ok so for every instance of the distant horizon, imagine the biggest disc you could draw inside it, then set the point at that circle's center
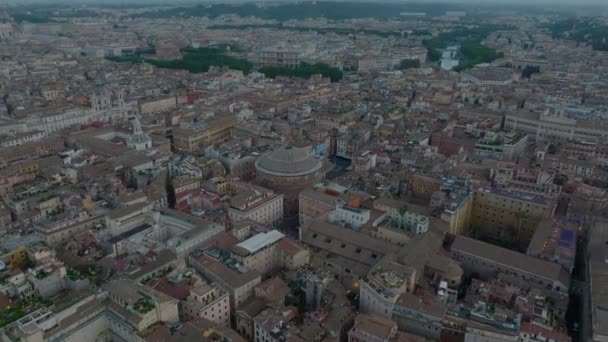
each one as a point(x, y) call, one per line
point(567, 3)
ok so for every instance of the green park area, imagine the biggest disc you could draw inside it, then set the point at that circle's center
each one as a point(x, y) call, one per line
point(194, 60)
point(304, 70)
point(471, 50)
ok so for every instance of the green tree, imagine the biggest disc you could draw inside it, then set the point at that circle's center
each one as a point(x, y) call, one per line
point(409, 64)
point(304, 70)
point(529, 71)
point(434, 55)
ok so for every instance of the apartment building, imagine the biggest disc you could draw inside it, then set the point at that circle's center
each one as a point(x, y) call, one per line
point(370, 328)
point(457, 203)
point(207, 301)
point(257, 204)
point(42, 147)
point(403, 216)
point(501, 145)
point(133, 308)
point(319, 200)
point(235, 279)
point(157, 105)
point(505, 215)
point(488, 260)
point(383, 286)
point(191, 137)
point(572, 166)
point(272, 325)
point(260, 252)
point(545, 126)
point(17, 139)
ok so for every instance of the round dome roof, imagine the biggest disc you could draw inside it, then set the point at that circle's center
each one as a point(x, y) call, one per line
point(288, 161)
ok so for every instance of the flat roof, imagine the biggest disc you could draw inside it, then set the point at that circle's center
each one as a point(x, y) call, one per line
point(261, 240)
point(515, 260)
point(539, 200)
point(129, 233)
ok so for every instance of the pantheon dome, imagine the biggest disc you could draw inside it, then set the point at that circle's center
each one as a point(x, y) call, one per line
point(289, 170)
point(288, 161)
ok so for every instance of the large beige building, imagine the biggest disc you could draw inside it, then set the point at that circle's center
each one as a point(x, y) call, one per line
point(488, 260)
point(158, 105)
point(505, 215)
point(547, 127)
point(239, 282)
point(192, 137)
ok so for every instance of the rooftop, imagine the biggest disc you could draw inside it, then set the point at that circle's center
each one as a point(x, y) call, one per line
point(288, 161)
point(261, 240)
point(519, 261)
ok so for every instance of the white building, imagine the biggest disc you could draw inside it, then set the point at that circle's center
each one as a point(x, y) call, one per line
point(546, 126)
point(403, 216)
point(260, 252)
point(16, 139)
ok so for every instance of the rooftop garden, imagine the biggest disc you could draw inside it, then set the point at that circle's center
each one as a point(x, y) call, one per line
point(19, 309)
point(143, 306)
point(41, 274)
point(91, 272)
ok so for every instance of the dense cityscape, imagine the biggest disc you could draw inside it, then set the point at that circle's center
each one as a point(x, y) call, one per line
point(303, 171)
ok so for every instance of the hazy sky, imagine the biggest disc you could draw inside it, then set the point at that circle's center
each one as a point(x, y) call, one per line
point(574, 3)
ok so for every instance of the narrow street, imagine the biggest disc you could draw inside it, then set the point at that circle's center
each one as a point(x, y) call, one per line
point(579, 315)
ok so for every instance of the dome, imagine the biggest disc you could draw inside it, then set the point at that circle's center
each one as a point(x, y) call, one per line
point(288, 161)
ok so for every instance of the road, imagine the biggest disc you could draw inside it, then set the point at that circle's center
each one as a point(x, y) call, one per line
point(579, 310)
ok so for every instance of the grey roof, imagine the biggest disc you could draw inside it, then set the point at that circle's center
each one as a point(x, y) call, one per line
point(288, 161)
point(515, 260)
point(346, 243)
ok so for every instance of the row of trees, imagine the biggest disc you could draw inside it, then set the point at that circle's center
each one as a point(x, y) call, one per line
point(442, 40)
point(339, 31)
point(201, 59)
point(582, 31)
point(302, 10)
point(409, 64)
point(304, 70)
point(194, 60)
point(474, 53)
